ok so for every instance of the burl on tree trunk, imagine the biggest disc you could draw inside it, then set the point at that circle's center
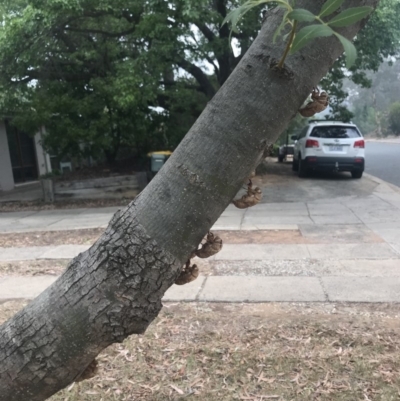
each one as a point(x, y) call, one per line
point(115, 288)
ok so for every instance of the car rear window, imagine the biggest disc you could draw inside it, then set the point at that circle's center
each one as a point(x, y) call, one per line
point(334, 132)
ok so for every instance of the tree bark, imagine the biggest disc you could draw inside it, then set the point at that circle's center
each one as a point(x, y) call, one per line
point(115, 288)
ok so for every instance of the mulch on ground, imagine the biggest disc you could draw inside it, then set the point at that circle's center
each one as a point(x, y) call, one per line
point(44, 238)
point(252, 352)
point(33, 267)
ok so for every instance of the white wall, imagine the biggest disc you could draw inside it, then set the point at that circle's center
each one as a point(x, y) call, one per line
point(43, 159)
point(6, 175)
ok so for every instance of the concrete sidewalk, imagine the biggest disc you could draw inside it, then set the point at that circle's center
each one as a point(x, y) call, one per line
point(246, 289)
point(342, 245)
point(55, 220)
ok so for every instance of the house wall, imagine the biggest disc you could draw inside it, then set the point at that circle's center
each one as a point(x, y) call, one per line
point(43, 158)
point(6, 174)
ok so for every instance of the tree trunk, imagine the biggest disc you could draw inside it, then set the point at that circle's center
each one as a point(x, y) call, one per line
point(115, 288)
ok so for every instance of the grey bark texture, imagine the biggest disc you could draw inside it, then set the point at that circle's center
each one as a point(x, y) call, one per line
point(115, 288)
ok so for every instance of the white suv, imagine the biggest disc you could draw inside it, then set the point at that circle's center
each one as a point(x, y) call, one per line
point(331, 146)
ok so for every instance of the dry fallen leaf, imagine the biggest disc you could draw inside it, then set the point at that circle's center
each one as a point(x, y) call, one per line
point(178, 390)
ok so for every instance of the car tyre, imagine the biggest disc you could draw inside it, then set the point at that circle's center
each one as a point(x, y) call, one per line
point(302, 170)
point(357, 173)
point(295, 164)
point(280, 158)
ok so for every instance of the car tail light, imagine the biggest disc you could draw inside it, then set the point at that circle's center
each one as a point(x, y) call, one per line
point(312, 143)
point(359, 144)
point(312, 159)
point(359, 160)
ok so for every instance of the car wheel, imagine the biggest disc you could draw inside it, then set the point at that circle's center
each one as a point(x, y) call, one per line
point(357, 173)
point(302, 170)
point(295, 164)
point(280, 158)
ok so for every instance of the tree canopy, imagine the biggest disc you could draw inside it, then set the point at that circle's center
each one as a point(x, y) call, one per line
point(109, 75)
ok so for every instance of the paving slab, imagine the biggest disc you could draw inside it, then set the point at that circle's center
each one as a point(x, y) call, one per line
point(260, 219)
point(187, 292)
point(27, 253)
point(262, 289)
point(272, 227)
point(300, 206)
point(41, 252)
point(362, 289)
point(64, 251)
point(339, 234)
point(323, 209)
point(390, 232)
point(16, 215)
point(395, 247)
point(365, 268)
point(261, 251)
point(351, 251)
point(379, 216)
point(81, 223)
point(56, 220)
point(323, 220)
point(284, 213)
point(101, 211)
point(62, 213)
point(24, 287)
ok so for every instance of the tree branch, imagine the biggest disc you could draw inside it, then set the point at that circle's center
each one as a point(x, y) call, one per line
point(206, 31)
point(205, 84)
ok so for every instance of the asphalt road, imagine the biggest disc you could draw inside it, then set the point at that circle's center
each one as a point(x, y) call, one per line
point(383, 161)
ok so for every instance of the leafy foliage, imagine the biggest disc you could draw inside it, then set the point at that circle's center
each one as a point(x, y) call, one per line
point(301, 38)
point(113, 75)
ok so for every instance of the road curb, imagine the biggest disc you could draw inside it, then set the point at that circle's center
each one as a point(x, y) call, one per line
point(382, 182)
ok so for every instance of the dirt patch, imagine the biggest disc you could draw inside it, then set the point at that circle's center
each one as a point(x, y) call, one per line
point(251, 352)
point(19, 206)
point(33, 267)
point(89, 236)
point(43, 238)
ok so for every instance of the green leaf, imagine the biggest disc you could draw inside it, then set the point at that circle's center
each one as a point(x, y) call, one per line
point(302, 15)
point(308, 33)
point(350, 16)
point(329, 7)
point(235, 15)
point(349, 49)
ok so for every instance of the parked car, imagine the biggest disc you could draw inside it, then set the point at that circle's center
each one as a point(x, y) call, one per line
point(330, 146)
point(284, 151)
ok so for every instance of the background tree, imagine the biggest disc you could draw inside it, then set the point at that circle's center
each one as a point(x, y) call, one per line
point(370, 106)
point(378, 41)
point(394, 118)
point(107, 75)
